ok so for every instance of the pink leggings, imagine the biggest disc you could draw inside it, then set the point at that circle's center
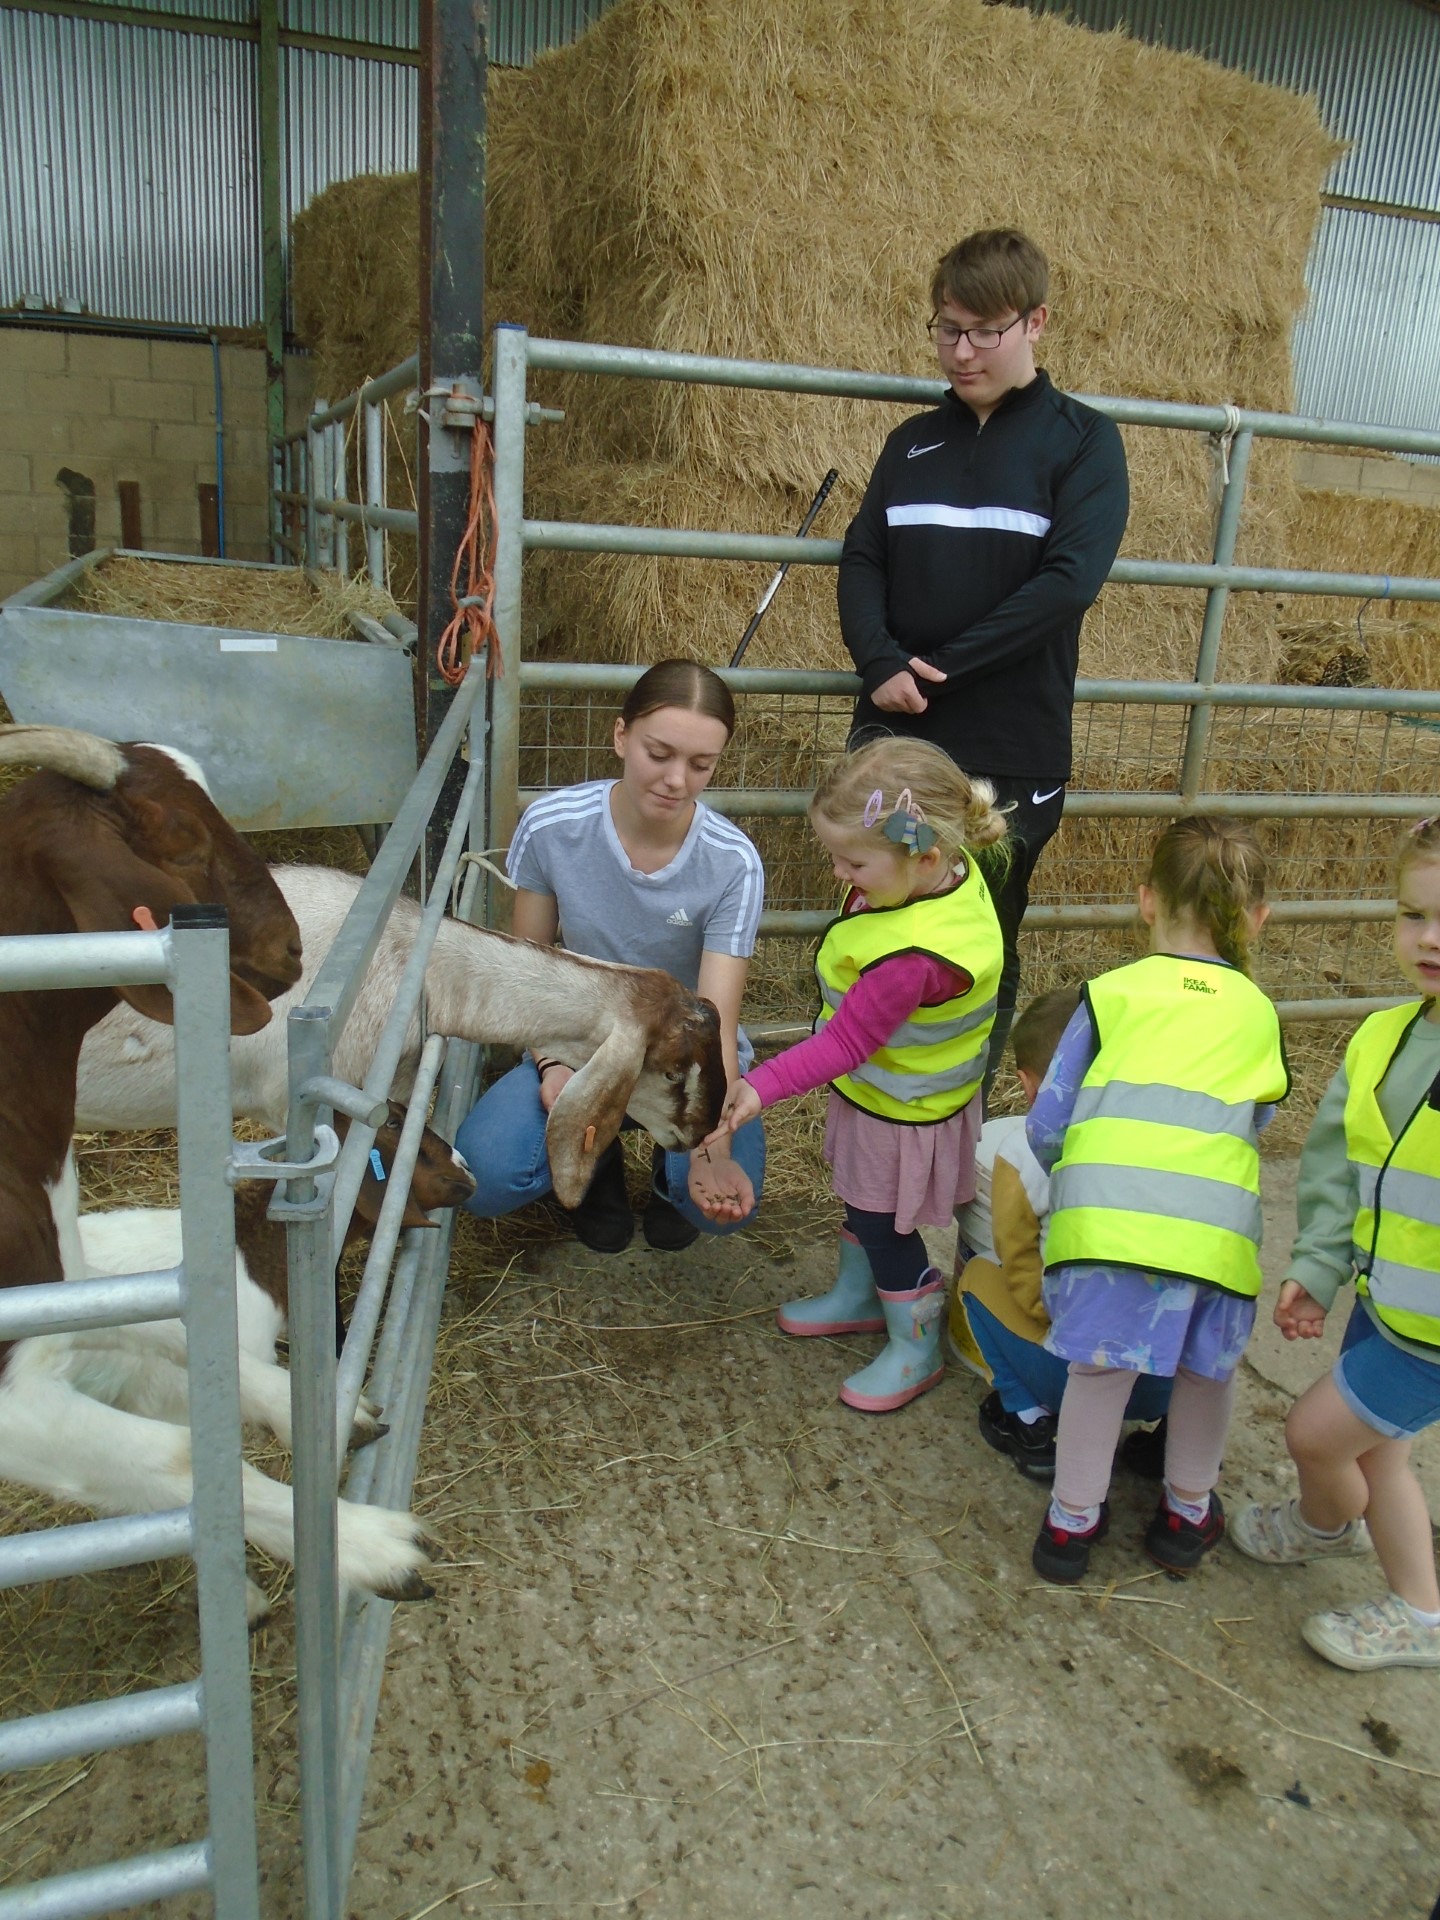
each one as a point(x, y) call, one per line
point(1093, 1412)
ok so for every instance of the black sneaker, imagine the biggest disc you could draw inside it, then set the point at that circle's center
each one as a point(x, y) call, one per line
point(665, 1228)
point(1062, 1557)
point(1142, 1451)
point(1030, 1446)
point(1176, 1543)
point(603, 1220)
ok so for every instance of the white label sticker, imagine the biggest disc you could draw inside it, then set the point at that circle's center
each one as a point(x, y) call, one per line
point(250, 643)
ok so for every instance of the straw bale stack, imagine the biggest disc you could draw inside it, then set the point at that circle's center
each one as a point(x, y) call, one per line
point(1378, 643)
point(774, 179)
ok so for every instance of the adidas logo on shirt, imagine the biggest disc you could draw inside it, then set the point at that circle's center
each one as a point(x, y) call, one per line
point(679, 919)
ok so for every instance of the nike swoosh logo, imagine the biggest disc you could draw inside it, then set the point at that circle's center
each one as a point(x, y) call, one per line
point(915, 452)
point(1039, 799)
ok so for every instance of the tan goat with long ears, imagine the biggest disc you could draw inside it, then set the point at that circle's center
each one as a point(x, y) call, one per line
point(643, 1044)
point(109, 838)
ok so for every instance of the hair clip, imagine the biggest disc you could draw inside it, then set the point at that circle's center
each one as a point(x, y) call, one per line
point(874, 807)
point(1424, 826)
point(907, 825)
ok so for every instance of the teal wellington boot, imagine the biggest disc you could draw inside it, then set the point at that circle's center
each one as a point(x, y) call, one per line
point(911, 1362)
point(851, 1306)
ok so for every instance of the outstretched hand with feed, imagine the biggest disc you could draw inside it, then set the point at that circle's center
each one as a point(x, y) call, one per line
point(719, 1186)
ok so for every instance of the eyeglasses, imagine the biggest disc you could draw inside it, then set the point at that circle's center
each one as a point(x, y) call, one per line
point(983, 338)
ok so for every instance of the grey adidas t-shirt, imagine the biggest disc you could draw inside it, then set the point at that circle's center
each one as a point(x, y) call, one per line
point(706, 901)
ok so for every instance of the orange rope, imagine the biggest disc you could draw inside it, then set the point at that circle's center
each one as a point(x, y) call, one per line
point(471, 628)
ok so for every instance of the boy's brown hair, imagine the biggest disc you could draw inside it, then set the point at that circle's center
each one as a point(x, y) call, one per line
point(1036, 1032)
point(990, 273)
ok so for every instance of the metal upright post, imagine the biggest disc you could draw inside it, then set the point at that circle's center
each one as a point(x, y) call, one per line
point(339, 526)
point(508, 362)
point(311, 535)
point(453, 63)
point(201, 944)
point(324, 490)
point(375, 489)
point(1227, 527)
point(272, 224)
point(315, 1476)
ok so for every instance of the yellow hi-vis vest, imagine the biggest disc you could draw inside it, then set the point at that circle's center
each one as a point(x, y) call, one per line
point(934, 1061)
point(1160, 1168)
point(1397, 1223)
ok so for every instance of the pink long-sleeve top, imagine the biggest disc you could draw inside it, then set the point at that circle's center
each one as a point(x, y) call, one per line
point(881, 1000)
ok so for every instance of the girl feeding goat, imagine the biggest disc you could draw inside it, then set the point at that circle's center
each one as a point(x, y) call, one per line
point(908, 973)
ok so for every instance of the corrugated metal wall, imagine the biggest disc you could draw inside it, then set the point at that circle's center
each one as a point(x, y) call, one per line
point(1366, 347)
point(344, 117)
point(131, 171)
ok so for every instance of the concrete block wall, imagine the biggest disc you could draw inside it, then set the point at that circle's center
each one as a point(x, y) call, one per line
point(1377, 476)
point(123, 407)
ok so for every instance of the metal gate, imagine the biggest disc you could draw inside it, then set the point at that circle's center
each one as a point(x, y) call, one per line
point(389, 1347)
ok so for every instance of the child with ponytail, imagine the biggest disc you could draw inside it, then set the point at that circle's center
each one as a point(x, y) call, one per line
point(908, 974)
point(1148, 1120)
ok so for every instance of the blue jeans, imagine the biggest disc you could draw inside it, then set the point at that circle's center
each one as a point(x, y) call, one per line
point(503, 1141)
point(1029, 1375)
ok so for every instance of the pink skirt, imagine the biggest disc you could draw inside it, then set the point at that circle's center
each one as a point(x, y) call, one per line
point(920, 1174)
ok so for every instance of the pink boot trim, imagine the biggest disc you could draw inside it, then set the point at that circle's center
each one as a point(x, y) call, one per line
point(888, 1402)
point(802, 1330)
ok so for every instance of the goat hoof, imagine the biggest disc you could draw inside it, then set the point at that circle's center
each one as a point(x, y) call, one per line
point(257, 1606)
point(410, 1587)
point(366, 1436)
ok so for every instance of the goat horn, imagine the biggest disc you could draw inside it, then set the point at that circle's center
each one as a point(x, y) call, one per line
point(83, 757)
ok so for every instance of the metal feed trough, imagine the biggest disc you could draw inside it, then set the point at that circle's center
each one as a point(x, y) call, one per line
point(292, 730)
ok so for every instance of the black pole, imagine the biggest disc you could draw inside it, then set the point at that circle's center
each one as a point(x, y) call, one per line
point(453, 57)
point(811, 512)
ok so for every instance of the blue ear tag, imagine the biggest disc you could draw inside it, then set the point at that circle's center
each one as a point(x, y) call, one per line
point(377, 1165)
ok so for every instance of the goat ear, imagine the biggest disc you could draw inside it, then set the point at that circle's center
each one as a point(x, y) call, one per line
point(110, 889)
point(587, 1115)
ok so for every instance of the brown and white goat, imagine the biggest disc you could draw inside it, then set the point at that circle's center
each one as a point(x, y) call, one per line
point(108, 838)
point(143, 1369)
point(643, 1044)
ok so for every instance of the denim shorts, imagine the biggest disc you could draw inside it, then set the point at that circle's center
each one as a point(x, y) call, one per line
point(1371, 1374)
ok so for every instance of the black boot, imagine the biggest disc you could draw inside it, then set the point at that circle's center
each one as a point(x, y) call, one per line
point(603, 1220)
point(665, 1227)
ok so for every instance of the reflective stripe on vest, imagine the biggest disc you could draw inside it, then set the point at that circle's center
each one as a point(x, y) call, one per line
point(1164, 1175)
point(1397, 1248)
point(933, 1062)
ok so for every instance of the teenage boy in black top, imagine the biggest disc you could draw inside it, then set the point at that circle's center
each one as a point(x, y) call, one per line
point(987, 530)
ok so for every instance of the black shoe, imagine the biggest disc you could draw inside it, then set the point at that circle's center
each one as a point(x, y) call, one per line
point(1142, 1451)
point(1062, 1557)
point(1031, 1447)
point(1176, 1543)
point(603, 1220)
point(665, 1228)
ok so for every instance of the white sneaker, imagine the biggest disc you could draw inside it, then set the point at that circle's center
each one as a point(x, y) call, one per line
point(1278, 1536)
point(1377, 1633)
